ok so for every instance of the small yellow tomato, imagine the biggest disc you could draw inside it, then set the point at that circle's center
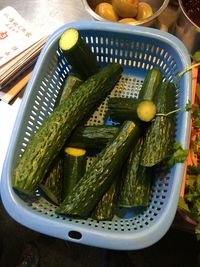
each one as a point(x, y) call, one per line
point(106, 11)
point(144, 11)
point(128, 20)
point(125, 8)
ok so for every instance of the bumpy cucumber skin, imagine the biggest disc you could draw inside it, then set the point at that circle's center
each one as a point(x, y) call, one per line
point(101, 173)
point(159, 140)
point(52, 186)
point(104, 210)
point(129, 177)
point(121, 109)
point(47, 142)
point(70, 84)
point(92, 137)
point(143, 187)
point(74, 169)
point(136, 183)
point(159, 137)
point(151, 84)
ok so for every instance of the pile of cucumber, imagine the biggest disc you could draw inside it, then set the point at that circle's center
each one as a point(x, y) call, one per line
point(55, 160)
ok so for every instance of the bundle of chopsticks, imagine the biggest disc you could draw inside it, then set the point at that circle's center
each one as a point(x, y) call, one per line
point(15, 76)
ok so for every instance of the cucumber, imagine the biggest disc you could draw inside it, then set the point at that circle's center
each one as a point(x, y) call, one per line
point(159, 136)
point(70, 84)
point(52, 185)
point(129, 177)
point(151, 83)
point(135, 188)
point(92, 137)
point(78, 54)
point(143, 187)
point(48, 141)
point(100, 175)
point(104, 209)
point(74, 167)
point(121, 109)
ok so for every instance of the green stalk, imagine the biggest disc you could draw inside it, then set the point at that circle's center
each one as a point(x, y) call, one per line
point(188, 107)
point(169, 113)
point(180, 74)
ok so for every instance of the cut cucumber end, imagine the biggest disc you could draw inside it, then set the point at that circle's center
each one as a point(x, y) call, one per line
point(146, 110)
point(68, 39)
point(74, 151)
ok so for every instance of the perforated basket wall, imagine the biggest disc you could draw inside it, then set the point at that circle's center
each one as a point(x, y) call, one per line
point(137, 49)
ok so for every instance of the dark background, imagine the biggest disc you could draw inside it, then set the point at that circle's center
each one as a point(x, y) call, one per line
point(178, 247)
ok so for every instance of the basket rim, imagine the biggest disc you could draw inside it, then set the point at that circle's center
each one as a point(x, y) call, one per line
point(123, 28)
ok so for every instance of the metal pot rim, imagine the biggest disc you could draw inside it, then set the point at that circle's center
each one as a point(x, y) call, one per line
point(184, 12)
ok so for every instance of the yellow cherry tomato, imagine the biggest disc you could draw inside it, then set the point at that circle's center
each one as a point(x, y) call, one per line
point(128, 20)
point(125, 8)
point(106, 11)
point(144, 11)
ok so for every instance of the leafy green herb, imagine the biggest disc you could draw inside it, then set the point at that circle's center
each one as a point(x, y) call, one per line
point(196, 56)
point(188, 106)
point(196, 116)
point(179, 154)
point(190, 204)
point(193, 170)
point(183, 205)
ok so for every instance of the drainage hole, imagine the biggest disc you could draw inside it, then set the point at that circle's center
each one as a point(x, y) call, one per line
point(75, 235)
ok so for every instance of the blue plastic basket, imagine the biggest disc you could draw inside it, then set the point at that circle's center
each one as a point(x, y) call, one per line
point(137, 49)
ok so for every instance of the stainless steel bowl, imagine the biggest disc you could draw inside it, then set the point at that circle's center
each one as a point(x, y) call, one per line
point(158, 7)
point(186, 30)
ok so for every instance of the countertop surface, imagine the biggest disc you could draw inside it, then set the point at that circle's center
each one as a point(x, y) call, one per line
point(48, 15)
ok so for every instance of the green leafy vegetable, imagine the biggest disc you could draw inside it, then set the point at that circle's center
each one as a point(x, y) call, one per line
point(179, 154)
point(196, 56)
point(196, 116)
point(190, 204)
